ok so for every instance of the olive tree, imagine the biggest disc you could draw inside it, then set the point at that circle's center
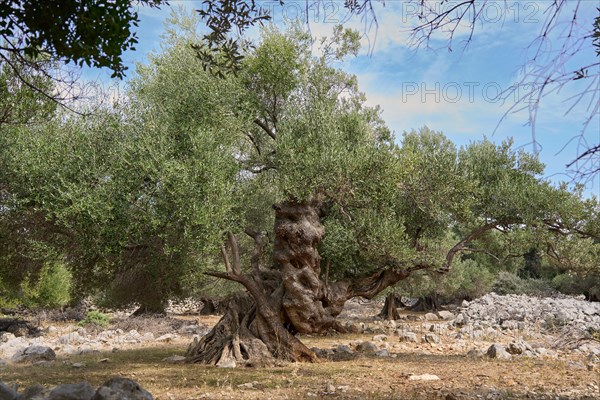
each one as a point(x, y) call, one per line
point(353, 212)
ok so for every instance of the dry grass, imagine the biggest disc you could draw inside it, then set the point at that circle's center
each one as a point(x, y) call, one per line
point(362, 378)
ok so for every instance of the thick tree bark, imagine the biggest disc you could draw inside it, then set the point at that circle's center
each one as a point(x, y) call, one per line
point(288, 298)
point(390, 308)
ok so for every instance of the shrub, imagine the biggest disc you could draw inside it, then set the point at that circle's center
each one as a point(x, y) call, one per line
point(51, 289)
point(509, 283)
point(471, 280)
point(589, 285)
point(467, 279)
point(95, 318)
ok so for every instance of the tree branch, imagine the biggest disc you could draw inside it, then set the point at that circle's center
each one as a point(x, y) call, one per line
point(236, 265)
point(265, 128)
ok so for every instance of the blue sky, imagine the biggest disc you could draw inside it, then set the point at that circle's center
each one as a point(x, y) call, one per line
point(450, 91)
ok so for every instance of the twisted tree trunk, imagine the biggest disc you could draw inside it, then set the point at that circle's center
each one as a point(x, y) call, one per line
point(288, 298)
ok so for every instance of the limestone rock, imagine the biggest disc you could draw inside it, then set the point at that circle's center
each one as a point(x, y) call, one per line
point(380, 338)
point(382, 353)
point(431, 338)
point(424, 377)
point(74, 391)
point(6, 336)
point(168, 337)
point(474, 353)
point(498, 351)
point(431, 317)
point(35, 353)
point(121, 389)
point(367, 347)
point(445, 315)
point(174, 359)
point(407, 336)
point(7, 393)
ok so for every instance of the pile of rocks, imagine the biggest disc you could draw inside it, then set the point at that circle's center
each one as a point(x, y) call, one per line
point(524, 312)
point(184, 306)
point(55, 341)
point(496, 326)
point(115, 388)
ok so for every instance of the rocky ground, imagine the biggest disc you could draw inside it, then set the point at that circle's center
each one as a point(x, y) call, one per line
point(517, 331)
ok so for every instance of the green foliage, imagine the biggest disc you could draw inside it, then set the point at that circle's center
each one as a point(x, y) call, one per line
point(96, 318)
point(51, 289)
point(82, 31)
point(136, 198)
point(139, 216)
point(466, 280)
point(20, 103)
point(589, 285)
point(509, 283)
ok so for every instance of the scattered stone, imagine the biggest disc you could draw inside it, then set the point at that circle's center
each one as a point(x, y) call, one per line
point(517, 348)
point(249, 385)
point(367, 347)
point(460, 320)
point(329, 388)
point(74, 391)
point(121, 388)
point(475, 353)
point(424, 377)
point(36, 391)
point(175, 359)
point(227, 363)
point(380, 338)
point(407, 336)
point(498, 351)
point(431, 338)
point(6, 336)
point(430, 317)
point(323, 353)
point(342, 353)
point(78, 365)
point(7, 393)
point(575, 365)
point(342, 348)
point(354, 327)
point(546, 352)
point(35, 353)
point(72, 338)
point(191, 329)
point(382, 353)
point(445, 315)
point(168, 337)
point(51, 330)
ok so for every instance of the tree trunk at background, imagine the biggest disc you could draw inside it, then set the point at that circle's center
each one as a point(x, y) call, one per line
point(427, 303)
point(288, 298)
point(390, 308)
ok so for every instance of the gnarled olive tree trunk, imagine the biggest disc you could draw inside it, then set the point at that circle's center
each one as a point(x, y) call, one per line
point(283, 300)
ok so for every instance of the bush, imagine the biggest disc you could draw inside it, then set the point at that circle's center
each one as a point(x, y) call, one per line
point(509, 283)
point(589, 285)
point(95, 318)
point(469, 280)
point(51, 289)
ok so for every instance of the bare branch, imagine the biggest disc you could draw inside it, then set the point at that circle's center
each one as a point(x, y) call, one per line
point(265, 128)
point(226, 259)
point(236, 265)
